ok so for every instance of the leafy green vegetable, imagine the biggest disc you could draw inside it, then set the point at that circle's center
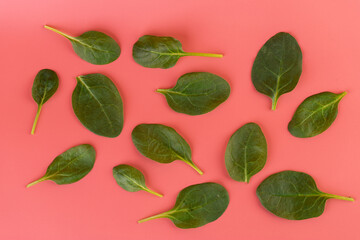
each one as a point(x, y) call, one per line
point(315, 114)
point(161, 52)
point(45, 85)
point(197, 93)
point(162, 144)
point(246, 152)
point(293, 195)
point(131, 179)
point(197, 205)
point(93, 47)
point(71, 166)
point(277, 67)
point(98, 105)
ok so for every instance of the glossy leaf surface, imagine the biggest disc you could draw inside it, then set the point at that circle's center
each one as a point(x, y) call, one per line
point(246, 152)
point(161, 52)
point(162, 144)
point(197, 93)
point(70, 166)
point(197, 205)
point(315, 114)
point(293, 195)
point(98, 105)
point(277, 67)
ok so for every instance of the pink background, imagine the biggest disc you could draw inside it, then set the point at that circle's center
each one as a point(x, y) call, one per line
point(95, 207)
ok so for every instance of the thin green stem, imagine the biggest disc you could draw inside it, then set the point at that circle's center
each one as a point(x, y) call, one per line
point(161, 90)
point(342, 95)
point(36, 119)
point(57, 31)
point(153, 192)
point(204, 54)
point(339, 197)
point(274, 103)
point(194, 167)
point(37, 181)
point(161, 215)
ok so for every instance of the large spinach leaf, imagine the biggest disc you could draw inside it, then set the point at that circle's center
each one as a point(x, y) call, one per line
point(162, 144)
point(161, 52)
point(197, 205)
point(293, 195)
point(70, 166)
point(246, 152)
point(277, 67)
point(93, 47)
point(197, 93)
point(98, 105)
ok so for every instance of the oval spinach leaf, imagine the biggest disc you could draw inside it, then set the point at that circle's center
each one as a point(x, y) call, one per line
point(196, 206)
point(315, 114)
point(131, 179)
point(293, 195)
point(277, 67)
point(71, 166)
point(98, 105)
point(246, 152)
point(161, 52)
point(93, 47)
point(162, 144)
point(197, 93)
point(45, 85)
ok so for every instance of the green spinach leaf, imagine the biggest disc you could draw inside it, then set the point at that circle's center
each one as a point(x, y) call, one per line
point(162, 144)
point(45, 85)
point(277, 67)
point(161, 52)
point(293, 195)
point(246, 152)
point(131, 179)
point(197, 205)
point(93, 47)
point(197, 93)
point(98, 105)
point(315, 114)
point(70, 166)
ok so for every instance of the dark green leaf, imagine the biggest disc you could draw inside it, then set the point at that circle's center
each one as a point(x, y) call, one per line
point(277, 67)
point(70, 166)
point(197, 205)
point(293, 195)
point(93, 47)
point(98, 105)
point(45, 85)
point(197, 93)
point(161, 52)
point(315, 114)
point(246, 152)
point(162, 144)
point(131, 179)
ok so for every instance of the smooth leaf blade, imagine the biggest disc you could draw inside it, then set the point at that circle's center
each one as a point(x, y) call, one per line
point(277, 66)
point(197, 205)
point(246, 152)
point(197, 93)
point(98, 105)
point(162, 144)
point(293, 195)
point(315, 114)
point(70, 166)
point(93, 46)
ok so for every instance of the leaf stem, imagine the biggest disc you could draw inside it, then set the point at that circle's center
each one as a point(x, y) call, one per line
point(161, 90)
point(153, 192)
point(36, 119)
point(37, 181)
point(204, 54)
point(339, 197)
point(274, 103)
point(161, 215)
point(194, 167)
point(57, 31)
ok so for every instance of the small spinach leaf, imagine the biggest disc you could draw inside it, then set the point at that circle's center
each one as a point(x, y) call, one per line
point(246, 152)
point(93, 47)
point(293, 195)
point(277, 67)
point(196, 206)
point(315, 114)
point(71, 166)
point(161, 52)
point(162, 144)
point(98, 105)
point(131, 179)
point(45, 85)
point(197, 93)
